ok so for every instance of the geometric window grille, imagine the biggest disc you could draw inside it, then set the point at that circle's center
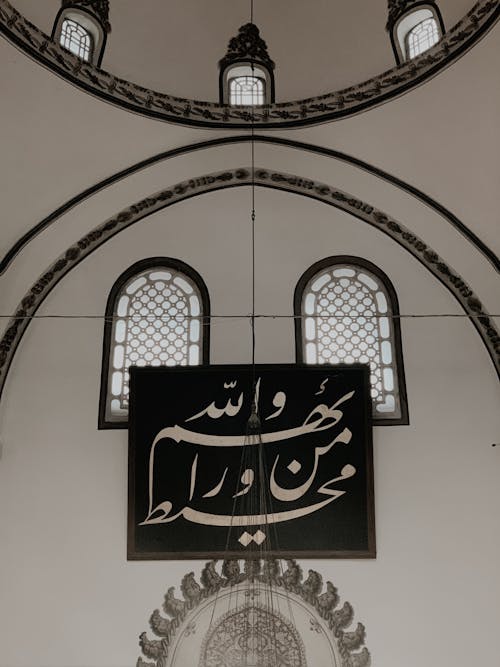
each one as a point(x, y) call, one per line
point(347, 316)
point(155, 318)
point(422, 37)
point(76, 39)
point(246, 90)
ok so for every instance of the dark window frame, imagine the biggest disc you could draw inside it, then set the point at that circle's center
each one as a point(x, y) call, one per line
point(98, 46)
point(115, 292)
point(360, 262)
point(424, 4)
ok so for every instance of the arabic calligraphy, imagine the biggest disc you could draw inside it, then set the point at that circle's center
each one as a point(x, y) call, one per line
point(233, 459)
point(317, 435)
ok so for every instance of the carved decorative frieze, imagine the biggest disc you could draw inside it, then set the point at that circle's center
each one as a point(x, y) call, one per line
point(329, 106)
point(248, 45)
point(227, 635)
point(100, 9)
point(230, 178)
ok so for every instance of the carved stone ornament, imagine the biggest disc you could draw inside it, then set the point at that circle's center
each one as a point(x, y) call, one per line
point(330, 106)
point(99, 8)
point(247, 45)
point(397, 8)
point(264, 615)
point(322, 192)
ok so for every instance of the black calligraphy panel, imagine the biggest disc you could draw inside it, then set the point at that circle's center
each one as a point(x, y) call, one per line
point(204, 481)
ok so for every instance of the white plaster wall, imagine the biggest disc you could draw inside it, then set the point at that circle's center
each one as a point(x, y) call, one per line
point(68, 596)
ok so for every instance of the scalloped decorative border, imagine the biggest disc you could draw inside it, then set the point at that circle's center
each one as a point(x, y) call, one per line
point(331, 106)
point(267, 572)
point(233, 178)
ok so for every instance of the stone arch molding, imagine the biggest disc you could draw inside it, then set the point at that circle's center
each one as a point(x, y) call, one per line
point(218, 619)
point(269, 140)
point(231, 178)
point(310, 111)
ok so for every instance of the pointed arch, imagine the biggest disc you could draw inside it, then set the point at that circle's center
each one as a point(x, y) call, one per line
point(231, 178)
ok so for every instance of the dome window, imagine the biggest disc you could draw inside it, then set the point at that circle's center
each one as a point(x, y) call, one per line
point(421, 38)
point(81, 27)
point(76, 39)
point(415, 27)
point(247, 86)
point(246, 71)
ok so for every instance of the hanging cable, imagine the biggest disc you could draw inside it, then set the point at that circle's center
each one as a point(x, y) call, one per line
point(250, 316)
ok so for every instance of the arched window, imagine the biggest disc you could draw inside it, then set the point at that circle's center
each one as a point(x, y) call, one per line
point(347, 312)
point(82, 27)
point(246, 71)
point(416, 30)
point(76, 39)
point(247, 86)
point(421, 38)
point(157, 315)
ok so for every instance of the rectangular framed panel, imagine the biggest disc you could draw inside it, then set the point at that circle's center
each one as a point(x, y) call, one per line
point(204, 482)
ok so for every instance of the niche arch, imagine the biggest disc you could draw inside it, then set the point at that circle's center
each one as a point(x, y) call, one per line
point(238, 177)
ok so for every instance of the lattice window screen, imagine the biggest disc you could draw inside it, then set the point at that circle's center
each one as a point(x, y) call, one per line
point(157, 322)
point(76, 39)
point(347, 319)
point(246, 90)
point(422, 37)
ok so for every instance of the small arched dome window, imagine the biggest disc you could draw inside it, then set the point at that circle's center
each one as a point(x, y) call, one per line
point(347, 312)
point(421, 38)
point(246, 71)
point(156, 315)
point(415, 30)
point(76, 39)
point(247, 86)
point(81, 27)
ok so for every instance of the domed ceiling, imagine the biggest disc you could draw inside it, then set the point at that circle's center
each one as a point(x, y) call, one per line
point(175, 46)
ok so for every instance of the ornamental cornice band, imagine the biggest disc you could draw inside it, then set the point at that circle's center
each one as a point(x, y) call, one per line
point(232, 178)
point(324, 605)
point(331, 106)
point(450, 218)
point(248, 45)
point(100, 9)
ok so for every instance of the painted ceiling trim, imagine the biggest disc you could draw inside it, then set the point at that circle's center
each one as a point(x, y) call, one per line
point(310, 111)
point(231, 178)
point(452, 219)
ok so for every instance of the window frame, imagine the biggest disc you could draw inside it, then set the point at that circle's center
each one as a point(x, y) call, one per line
point(256, 79)
point(411, 32)
point(90, 47)
point(257, 69)
point(161, 263)
point(89, 23)
point(357, 263)
point(398, 40)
